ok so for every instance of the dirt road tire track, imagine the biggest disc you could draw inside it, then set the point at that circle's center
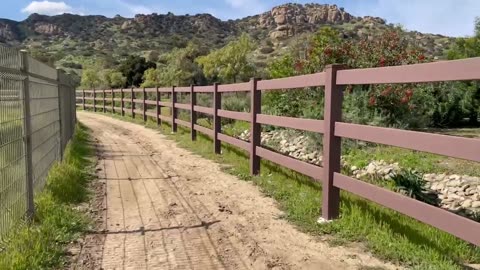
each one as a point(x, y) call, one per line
point(166, 208)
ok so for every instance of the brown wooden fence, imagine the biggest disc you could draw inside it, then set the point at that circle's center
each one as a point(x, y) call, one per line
point(334, 79)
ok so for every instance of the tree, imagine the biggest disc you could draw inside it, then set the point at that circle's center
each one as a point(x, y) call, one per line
point(133, 69)
point(231, 62)
point(151, 78)
point(113, 78)
point(466, 103)
point(394, 104)
point(180, 67)
point(90, 79)
point(177, 68)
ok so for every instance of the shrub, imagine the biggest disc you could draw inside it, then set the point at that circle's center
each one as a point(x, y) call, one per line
point(266, 50)
point(413, 185)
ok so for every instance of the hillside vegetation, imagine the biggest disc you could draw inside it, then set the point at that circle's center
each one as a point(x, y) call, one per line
point(74, 41)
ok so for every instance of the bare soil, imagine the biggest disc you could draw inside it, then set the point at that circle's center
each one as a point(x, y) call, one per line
point(165, 208)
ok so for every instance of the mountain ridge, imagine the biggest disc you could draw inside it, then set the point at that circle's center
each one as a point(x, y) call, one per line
point(84, 37)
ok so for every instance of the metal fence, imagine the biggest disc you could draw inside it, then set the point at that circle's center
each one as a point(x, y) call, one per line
point(146, 103)
point(37, 119)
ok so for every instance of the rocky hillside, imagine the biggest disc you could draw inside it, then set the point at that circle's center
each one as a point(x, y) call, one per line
point(71, 40)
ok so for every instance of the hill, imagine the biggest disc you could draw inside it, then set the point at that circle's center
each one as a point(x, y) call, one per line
point(72, 40)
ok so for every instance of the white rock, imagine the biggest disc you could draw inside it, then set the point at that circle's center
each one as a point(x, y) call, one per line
point(466, 204)
point(476, 204)
point(453, 183)
point(371, 169)
point(454, 177)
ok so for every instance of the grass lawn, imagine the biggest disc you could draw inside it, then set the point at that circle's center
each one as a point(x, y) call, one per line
point(41, 244)
point(389, 235)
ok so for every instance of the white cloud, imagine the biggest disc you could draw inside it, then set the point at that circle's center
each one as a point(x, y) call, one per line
point(47, 8)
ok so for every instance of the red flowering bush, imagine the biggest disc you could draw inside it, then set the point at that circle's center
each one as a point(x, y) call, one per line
point(393, 103)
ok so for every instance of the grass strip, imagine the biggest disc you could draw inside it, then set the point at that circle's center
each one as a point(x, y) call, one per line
point(42, 243)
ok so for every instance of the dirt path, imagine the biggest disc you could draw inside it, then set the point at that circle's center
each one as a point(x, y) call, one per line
point(166, 208)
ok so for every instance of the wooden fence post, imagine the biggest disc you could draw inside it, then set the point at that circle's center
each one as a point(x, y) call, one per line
point(94, 100)
point(122, 102)
point(255, 128)
point(113, 102)
point(193, 114)
point(104, 101)
point(83, 99)
point(331, 143)
point(144, 105)
point(133, 103)
point(217, 121)
point(159, 111)
point(174, 111)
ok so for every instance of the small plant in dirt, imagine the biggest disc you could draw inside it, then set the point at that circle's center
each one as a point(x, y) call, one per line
point(412, 184)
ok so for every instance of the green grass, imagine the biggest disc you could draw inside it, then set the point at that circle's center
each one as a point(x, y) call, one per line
point(41, 244)
point(419, 161)
point(389, 235)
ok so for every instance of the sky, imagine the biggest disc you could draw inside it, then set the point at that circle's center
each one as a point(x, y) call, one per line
point(447, 17)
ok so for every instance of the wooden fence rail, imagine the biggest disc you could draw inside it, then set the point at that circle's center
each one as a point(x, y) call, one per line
point(334, 79)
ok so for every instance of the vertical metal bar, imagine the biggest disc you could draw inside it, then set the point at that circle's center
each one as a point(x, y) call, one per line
point(217, 121)
point(104, 101)
point(94, 100)
point(331, 143)
point(255, 128)
point(61, 115)
point(174, 110)
point(159, 121)
point(144, 105)
point(28, 139)
point(132, 99)
point(113, 101)
point(122, 103)
point(83, 99)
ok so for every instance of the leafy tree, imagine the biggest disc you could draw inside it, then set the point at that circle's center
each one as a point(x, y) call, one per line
point(133, 69)
point(90, 79)
point(456, 106)
point(231, 62)
point(151, 78)
point(177, 68)
point(394, 105)
point(181, 68)
point(113, 78)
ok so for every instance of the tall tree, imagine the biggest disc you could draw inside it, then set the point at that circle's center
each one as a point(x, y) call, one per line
point(181, 68)
point(231, 62)
point(469, 102)
point(90, 79)
point(151, 78)
point(133, 69)
point(113, 79)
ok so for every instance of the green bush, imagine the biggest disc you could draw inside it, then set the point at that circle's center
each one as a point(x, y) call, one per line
point(238, 102)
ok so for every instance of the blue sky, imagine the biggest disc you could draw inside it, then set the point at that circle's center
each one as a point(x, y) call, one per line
point(449, 17)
